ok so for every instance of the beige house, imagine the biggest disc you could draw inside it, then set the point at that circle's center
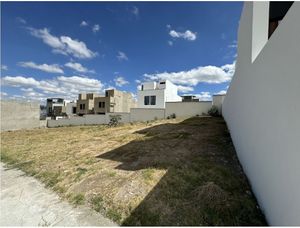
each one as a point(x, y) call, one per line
point(114, 101)
point(85, 103)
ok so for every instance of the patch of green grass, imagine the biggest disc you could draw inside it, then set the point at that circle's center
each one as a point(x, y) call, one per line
point(80, 172)
point(78, 199)
point(114, 215)
point(49, 178)
point(111, 173)
point(148, 174)
point(97, 203)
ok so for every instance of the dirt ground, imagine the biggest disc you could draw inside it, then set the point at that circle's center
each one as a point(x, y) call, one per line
point(166, 172)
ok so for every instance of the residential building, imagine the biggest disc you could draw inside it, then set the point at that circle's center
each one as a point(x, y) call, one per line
point(189, 98)
point(262, 109)
point(71, 108)
point(156, 94)
point(55, 107)
point(114, 101)
point(85, 103)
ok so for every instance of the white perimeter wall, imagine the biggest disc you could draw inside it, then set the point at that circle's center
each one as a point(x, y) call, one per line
point(87, 120)
point(262, 111)
point(145, 114)
point(187, 109)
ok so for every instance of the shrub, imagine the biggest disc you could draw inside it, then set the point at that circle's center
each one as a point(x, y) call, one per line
point(114, 120)
point(173, 116)
point(213, 111)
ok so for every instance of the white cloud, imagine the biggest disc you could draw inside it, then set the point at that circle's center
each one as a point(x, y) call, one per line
point(233, 44)
point(78, 67)
point(203, 74)
point(137, 81)
point(170, 43)
point(184, 89)
point(204, 96)
point(135, 10)
point(120, 81)
point(83, 24)
point(168, 26)
point(62, 86)
point(63, 45)
point(21, 20)
point(96, 28)
point(3, 94)
point(54, 68)
point(122, 56)
point(222, 92)
point(187, 35)
point(4, 67)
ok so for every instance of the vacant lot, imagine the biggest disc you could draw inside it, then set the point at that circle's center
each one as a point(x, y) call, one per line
point(169, 172)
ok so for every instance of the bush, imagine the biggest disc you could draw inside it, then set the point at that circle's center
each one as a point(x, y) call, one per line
point(173, 116)
point(114, 120)
point(213, 111)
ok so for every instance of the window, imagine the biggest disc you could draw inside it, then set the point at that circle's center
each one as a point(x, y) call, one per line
point(106, 93)
point(146, 100)
point(150, 100)
point(153, 100)
point(101, 104)
point(142, 87)
point(82, 106)
point(277, 11)
point(74, 110)
point(162, 83)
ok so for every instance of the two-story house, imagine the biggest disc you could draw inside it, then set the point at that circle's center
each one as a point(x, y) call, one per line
point(156, 94)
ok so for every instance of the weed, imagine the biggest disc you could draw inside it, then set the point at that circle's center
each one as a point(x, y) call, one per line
point(78, 199)
point(114, 215)
point(97, 203)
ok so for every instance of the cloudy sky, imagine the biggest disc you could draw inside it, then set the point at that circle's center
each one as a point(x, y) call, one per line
point(60, 49)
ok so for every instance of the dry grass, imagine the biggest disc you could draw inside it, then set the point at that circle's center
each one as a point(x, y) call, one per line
point(168, 172)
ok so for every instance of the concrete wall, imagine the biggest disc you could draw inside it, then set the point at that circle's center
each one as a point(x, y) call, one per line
point(144, 114)
point(17, 115)
point(187, 109)
point(87, 120)
point(160, 98)
point(262, 112)
point(218, 102)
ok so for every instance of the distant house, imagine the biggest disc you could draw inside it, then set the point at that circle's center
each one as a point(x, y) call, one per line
point(55, 107)
point(156, 94)
point(114, 101)
point(85, 103)
point(71, 108)
point(189, 98)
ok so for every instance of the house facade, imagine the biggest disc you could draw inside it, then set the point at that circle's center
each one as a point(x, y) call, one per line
point(85, 103)
point(55, 107)
point(114, 101)
point(156, 94)
point(262, 110)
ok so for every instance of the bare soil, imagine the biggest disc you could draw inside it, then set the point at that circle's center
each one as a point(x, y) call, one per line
point(167, 172)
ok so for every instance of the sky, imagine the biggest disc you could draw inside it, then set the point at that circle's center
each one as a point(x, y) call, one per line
point(59, 49)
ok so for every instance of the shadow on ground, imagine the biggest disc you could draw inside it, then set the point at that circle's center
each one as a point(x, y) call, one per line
point(204, 183)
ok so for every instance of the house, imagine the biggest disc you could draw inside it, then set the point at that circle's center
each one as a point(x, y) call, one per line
point(71, 108)
point(156, 94)
point(114, 101)
point(85, 103)
point(189, 98)
point(55, 107)
point(262, 108)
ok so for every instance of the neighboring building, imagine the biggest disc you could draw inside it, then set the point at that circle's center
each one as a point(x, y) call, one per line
point(71, 108)
point(55, 107)
point(156, 94)
point(262, 107)
point(217, 101)
point(85, 103)
point(189, 98)
point(114, 101)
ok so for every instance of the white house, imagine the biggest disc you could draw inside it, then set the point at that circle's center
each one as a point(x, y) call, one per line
point(156, 94)
point(262, 107)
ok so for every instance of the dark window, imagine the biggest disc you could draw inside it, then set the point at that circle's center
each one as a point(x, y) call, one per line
point(106, 93)
point(277, 11)
point(162, 83)
point(74, 110)
point(146, 100)
point(101, 104)
point(82, 106)
point(142, 87)
point(153, 100)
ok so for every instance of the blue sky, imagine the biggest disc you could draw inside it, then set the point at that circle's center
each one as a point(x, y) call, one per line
point(52, 49)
